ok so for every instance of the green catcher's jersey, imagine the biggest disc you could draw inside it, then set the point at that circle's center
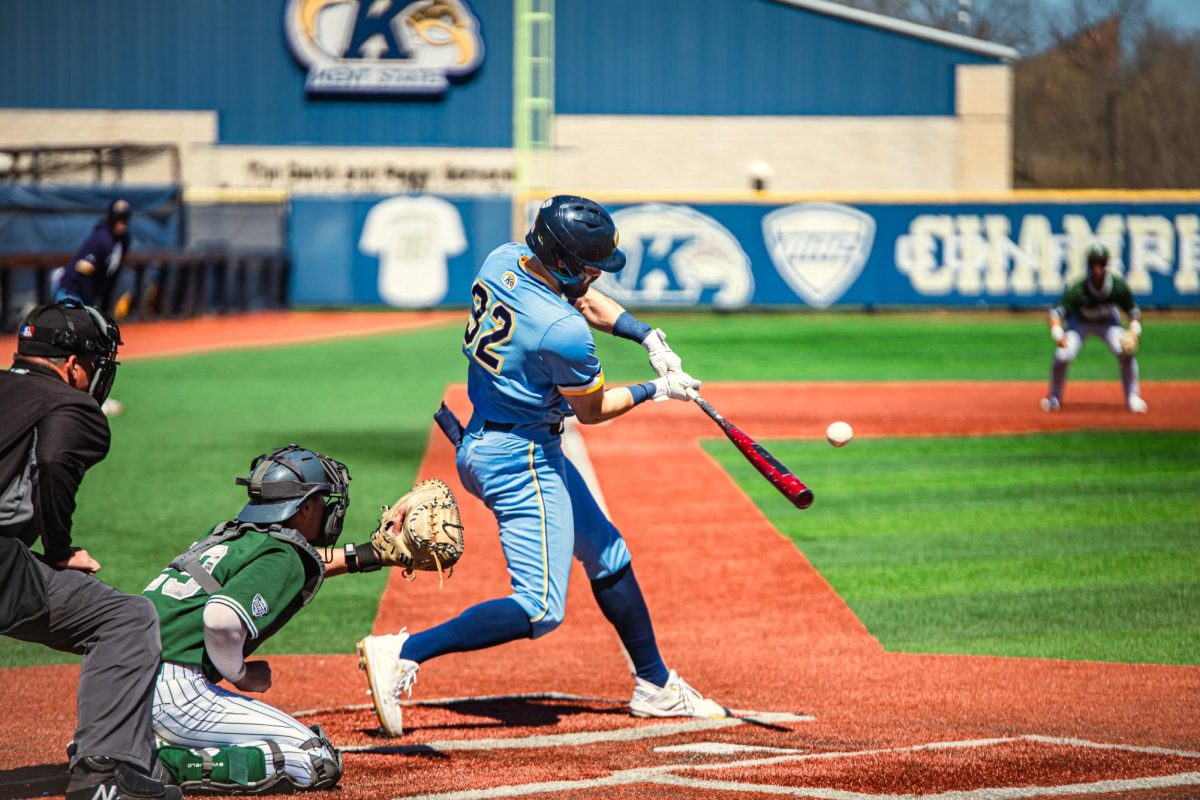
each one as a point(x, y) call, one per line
point(1078, 303)
point(261, 579)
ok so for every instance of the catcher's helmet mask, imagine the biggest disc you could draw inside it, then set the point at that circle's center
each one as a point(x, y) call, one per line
point(570, 233)
point(283, 480)
point(79, 330)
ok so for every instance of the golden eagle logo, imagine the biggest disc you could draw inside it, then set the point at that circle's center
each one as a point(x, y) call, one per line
point(383, 46)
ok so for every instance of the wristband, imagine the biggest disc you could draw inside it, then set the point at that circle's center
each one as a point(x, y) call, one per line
point(241, 674)
point(366, 557)
point(643, 391)
point(361, 558)
point(630, 327)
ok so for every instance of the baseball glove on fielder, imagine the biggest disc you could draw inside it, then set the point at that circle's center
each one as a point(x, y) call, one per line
point(1129, 343)
point(421, 531)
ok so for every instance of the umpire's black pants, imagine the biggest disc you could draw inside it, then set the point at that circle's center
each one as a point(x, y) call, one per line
point(117, 635)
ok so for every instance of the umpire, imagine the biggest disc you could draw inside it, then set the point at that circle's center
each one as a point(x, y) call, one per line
point(52, 432)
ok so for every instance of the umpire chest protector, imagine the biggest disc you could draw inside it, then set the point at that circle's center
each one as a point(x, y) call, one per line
point(189, 562)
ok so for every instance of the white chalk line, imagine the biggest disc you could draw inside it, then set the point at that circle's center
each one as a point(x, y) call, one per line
point(577, 739)
point(665, 774)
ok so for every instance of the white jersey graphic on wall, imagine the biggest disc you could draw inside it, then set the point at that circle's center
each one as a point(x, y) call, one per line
point(413, 237)
point(819, 248)
point(678, 256)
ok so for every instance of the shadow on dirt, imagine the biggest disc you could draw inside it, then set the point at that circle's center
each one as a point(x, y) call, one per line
point(36, 780)
point(499, 714)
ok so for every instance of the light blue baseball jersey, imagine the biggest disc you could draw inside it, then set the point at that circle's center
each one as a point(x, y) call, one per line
point(526, 345)
point(528, 348)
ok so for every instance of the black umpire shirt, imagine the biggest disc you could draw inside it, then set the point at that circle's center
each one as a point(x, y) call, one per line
point(72, 435)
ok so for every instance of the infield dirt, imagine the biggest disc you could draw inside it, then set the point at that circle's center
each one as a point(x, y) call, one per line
point(824, 710)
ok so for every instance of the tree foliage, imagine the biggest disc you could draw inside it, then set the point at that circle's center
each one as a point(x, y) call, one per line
point(1107, 93)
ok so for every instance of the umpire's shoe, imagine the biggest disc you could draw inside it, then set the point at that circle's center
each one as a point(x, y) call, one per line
point(99, 778)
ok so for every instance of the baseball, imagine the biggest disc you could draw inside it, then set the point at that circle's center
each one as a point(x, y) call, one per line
point(838, 433)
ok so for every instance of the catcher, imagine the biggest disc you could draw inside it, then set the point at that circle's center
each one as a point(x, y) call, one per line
point(1089, 307)
point(235, 588)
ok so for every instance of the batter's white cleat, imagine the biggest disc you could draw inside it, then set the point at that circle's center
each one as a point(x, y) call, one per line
point(1051, 404)
point(389, 676)
point(676, 699)
point(1136, 404)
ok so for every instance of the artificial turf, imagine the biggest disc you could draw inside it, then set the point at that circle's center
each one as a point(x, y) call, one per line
point(193, 423)
point(1079, 545)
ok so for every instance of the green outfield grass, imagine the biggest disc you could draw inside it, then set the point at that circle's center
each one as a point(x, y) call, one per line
point(194, 422)
point(885, 346)
point(1074, 545)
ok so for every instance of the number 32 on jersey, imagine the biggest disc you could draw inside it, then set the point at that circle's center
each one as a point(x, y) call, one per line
point(482, 348)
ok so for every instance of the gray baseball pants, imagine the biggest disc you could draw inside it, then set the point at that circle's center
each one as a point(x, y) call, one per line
point(117, 635)
point(1076, 333)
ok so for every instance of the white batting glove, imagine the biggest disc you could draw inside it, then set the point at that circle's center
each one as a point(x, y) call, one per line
point(663, 359)
point(1135, 327)
point(676, 386)
point(1057, 333)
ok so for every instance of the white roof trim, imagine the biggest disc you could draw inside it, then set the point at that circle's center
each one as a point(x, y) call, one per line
point(937, 35)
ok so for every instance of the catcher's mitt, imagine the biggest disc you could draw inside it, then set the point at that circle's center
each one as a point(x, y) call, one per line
point(1129, 343)
point(421, 531)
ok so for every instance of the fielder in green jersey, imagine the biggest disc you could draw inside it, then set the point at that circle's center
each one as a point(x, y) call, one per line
point(223, 598)
point(1091, 306)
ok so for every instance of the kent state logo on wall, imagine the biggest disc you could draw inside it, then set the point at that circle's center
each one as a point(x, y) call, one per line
point(383, 46)
point(819, 249)
point(678, 256)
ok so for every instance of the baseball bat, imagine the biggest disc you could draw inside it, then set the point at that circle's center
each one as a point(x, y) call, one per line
point(767, 465)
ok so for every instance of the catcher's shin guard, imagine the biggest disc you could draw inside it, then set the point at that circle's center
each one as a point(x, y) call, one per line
point(326, 772)
point(244, 770)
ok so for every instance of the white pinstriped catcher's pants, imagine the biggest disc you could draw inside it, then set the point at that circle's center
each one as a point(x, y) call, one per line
point(191, 712)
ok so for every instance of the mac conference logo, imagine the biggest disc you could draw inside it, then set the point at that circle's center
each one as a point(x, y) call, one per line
point(383, 46)
point(678, 256)
point(819, 248)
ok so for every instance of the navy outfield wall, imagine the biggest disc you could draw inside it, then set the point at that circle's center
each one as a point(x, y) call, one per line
point(422, 251)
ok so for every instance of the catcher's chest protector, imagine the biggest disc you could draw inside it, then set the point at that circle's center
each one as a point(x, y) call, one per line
point(189, 562)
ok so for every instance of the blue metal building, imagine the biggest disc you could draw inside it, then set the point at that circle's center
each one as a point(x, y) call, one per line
point(672, 57)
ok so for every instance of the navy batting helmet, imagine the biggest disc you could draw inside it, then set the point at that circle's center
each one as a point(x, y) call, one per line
point(118, 211)
point(570, 233)
point(281, 482)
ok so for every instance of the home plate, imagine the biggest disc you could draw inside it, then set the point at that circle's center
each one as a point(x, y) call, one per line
point(721, 748)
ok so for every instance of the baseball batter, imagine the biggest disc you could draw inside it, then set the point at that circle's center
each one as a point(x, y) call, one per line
point(531, 363)
point(224, 597)
point(1091, 306)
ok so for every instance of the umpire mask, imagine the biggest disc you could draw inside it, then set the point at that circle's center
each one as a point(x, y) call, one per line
point(283, 480)
point(68, 328)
